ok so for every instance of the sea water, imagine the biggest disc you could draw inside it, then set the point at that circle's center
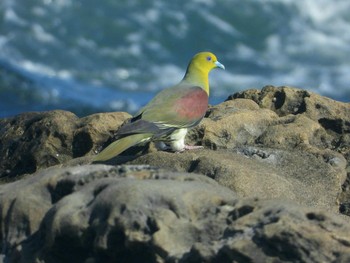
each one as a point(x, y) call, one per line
point(93, 56)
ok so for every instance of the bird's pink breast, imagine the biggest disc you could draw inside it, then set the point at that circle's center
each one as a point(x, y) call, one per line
point(193, 105)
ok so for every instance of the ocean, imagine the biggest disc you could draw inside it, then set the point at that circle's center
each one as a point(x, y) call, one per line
point(95, 56)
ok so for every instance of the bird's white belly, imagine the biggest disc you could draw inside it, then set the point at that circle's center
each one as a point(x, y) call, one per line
point(176, 141)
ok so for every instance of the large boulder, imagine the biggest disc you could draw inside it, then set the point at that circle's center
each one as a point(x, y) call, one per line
point(99, 213)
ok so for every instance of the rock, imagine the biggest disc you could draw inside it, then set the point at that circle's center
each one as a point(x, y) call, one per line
point(100, 213)
point(273, 151)
point(332, 116)
point(234, 123)
point(270, 231)
point(307, 121)
point(32, 141)
point(92, 131)
point(268, 186)
point(264, 173)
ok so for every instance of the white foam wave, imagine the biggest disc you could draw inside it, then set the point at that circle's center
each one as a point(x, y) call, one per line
point(41, 69)
point(12, 17)
point(58, 4)
point(41, 35)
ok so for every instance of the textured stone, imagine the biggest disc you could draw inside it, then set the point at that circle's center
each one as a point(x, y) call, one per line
point(264, 173)
point(307, 121)
point(332, 116)
point(99, 213)
point(267, 187)
point(35, 140)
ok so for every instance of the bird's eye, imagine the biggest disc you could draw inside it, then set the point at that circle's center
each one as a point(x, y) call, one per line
point(209, 58)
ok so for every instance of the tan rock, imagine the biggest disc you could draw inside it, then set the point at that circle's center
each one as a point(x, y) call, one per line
point(32, 141)
point(99, 213)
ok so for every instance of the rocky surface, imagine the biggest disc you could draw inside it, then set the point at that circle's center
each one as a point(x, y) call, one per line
point(99, 213)
point(35, 140)
point(268, 187)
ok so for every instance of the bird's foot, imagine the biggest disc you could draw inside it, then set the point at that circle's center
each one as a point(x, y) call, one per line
point(193, 147)
point(190, 147)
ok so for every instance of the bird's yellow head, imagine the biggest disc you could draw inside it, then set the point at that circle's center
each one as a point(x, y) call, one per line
point(199, 68)
point(205, 61)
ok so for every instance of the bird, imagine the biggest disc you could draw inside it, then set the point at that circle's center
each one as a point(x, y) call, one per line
point(166, 119)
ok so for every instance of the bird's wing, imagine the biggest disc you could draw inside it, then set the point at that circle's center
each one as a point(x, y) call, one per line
point(176, 107)
point(142, 127)
point(119, 146)
point(137, 126)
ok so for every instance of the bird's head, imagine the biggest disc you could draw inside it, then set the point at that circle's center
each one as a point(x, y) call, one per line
point(198, 69)
point(205, 62)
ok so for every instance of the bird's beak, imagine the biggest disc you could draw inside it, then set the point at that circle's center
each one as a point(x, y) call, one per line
point(219, 65)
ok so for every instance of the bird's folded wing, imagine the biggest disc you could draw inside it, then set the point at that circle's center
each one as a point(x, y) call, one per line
point(178, 107)
point(138, 126)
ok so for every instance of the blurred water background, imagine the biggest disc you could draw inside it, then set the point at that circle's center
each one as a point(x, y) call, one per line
point(90, 56)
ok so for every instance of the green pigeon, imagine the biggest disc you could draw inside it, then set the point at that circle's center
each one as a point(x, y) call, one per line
point(167, 117)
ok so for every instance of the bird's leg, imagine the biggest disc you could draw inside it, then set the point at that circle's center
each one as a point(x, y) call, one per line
point(190, 147)
point(177, 142)
point(193, 147)
point(162, 146)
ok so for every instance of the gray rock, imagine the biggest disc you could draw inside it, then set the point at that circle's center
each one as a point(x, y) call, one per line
point(102, 213)
point(264, 173)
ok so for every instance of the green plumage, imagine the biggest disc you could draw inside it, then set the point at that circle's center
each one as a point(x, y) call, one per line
point(119, 146)
point(165, 108)
point(168, 115)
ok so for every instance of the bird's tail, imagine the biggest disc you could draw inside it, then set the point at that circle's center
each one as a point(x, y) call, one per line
point(121, 145)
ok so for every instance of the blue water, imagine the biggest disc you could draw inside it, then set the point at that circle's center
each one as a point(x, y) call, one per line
point(91, 56)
